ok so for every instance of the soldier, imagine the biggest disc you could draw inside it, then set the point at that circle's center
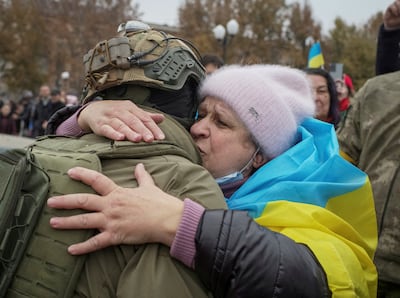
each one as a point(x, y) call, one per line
point(370, 139)
point(153, 69)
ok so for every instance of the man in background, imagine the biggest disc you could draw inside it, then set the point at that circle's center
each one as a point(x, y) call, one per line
point(211, 63)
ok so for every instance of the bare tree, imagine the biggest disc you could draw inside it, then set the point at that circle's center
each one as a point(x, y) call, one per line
point(270, 30)
point(43, 38)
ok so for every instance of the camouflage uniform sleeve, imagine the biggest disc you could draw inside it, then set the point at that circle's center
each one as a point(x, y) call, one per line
point(349, 132)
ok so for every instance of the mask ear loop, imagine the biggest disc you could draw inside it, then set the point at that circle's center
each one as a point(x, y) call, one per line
point(250, 161)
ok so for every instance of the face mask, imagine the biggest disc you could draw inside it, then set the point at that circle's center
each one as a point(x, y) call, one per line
point(236, 176)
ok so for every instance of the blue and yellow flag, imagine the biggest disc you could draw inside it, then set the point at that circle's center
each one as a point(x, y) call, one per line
point(314, 196)
point(315, 57)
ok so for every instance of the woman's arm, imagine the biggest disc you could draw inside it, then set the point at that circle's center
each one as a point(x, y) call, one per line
point(120, 214)
point(232, 254)
point(59, 117)
point(116, 120)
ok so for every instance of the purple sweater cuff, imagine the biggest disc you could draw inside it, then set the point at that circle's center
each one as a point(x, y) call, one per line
point(70, 127)
point(183, 247)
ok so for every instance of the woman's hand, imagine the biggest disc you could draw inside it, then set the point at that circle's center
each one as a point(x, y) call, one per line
point(139, 215)
point(120, 120)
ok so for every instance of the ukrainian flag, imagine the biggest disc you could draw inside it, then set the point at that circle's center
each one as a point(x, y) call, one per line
point(315, 57)
point(315, 197)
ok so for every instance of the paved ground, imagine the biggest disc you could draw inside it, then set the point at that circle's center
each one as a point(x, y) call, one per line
point(9, 141)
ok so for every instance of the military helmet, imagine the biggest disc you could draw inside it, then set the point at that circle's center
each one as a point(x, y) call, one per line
point(141, 56)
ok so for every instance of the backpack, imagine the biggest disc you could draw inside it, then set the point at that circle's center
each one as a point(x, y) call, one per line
point(23, 189)
point(45, 269)
point(28, 178)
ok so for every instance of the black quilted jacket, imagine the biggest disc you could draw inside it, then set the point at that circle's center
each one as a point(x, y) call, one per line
point(236, 257)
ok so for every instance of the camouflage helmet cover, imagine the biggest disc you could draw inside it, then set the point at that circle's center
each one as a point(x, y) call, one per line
point(140, 56)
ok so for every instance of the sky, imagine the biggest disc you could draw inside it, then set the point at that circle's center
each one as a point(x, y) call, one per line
point(324, 11)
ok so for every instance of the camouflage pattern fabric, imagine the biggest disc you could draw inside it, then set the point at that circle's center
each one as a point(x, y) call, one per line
point(370, 138)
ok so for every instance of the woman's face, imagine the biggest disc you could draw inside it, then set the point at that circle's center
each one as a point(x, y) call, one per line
point(224, 143)
point(341, 89)
point(5, 110)
point(321, 96)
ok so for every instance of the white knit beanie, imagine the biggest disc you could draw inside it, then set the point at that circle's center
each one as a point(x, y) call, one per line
point(271, 100)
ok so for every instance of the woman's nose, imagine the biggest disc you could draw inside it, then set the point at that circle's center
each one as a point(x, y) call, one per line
point(199, 128)
point(314, 93)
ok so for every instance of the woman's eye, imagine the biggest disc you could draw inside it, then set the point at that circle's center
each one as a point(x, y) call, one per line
point(199, 116)
point(221, 123)
point(322, 91)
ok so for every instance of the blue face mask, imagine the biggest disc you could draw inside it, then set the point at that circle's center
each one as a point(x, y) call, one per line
point(236, 176)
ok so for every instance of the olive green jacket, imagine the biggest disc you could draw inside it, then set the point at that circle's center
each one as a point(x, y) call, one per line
point(370, 137)
point(48, 270)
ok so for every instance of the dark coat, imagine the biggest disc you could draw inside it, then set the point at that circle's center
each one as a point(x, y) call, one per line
point(8, 125)
point(279, 267)
point(388, 51)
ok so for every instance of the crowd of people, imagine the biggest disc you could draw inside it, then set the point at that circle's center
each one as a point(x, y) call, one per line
point(227, 180)
point(29, 115)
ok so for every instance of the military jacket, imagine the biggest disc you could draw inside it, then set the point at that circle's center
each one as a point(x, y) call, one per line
point(123, 271)
point(370, 137)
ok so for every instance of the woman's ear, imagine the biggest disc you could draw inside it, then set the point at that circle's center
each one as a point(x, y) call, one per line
point(259, 160)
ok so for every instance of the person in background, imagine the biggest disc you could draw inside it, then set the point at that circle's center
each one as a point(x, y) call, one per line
point(325, 95)
point(40, 113)
point(370, 139)
point(17, 116)
point(211, 62)
point(71, 100)
point(8, 124)
point(257, 136)
point(27, 100)
point(56, 102)
point(48, 102)
point(345, 91)
point(388, 46)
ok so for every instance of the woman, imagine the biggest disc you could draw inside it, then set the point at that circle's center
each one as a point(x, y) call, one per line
point(345, 91)
point(325, 95)
point(257, 137)
point(8, 124)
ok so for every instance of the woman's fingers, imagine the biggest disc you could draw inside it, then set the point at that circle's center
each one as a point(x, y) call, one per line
point(91, 202)
point(144, 123)
point(142, 176)
point(121, 119)
point(134, 128)
point(95, 220)
point(122, 215)
point(94, 243)
point(99, 182)
point(84, 201)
